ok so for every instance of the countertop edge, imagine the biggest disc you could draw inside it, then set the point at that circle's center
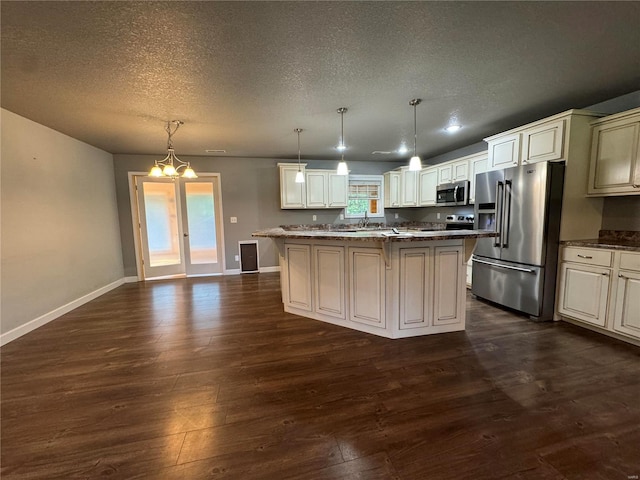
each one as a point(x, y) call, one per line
point(603, 244)
point(374, 236)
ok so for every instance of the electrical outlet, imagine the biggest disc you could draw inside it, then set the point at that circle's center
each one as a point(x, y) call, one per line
point(342, 216)
point(234, 219)
point(237, 258)
point(314, 218)
point(438, 215)
point(396, 216)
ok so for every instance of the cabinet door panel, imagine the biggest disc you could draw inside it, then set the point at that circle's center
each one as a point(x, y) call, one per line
point(292, 194)
point(329, 285)
point(298, 276)
point(504, 152)
point(626, 317)
point(338, 186)
point(428, 181)
point(543, 143)
point(415, 288)
point(478, 165)
point(448, 306)
point(367, 286)
point(409, 187)
point(583, 293)
point(614, 158)
point(316, 189)
point(460, 171)
point(445, 174)
point(392, 190)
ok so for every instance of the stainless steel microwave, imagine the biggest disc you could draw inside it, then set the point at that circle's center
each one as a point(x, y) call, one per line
point(453, 193)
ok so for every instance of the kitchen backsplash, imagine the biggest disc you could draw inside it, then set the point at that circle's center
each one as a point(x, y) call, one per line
point(621, 213)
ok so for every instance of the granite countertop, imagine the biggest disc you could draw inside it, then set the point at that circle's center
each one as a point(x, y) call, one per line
point(372, 235)
point(610, 239)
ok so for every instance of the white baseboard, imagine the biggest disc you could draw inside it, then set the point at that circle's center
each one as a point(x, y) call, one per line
point(58, 312)
point(270, 269)
point(237, 271)
point(133, 279)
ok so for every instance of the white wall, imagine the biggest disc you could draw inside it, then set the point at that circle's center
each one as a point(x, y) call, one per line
point(60, 237)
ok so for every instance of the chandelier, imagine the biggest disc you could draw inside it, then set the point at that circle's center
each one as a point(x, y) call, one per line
point(170, 166)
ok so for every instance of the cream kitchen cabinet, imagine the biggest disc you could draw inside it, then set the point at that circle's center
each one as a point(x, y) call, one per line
point(329, 285)
point(298, 281)
point(367, 280)
point(543, 142)
point(615, 155)
point(585, 277)
point(600, 288)
point(408, 187)
point(326, 189)
point(504, 151)
point(292, 194)
point(626, 308)
point(392, 181)
point(427, 183)
point(453, 171)
point(321, 189)
point(477, 164)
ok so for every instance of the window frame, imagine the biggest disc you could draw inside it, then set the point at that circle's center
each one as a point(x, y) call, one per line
point(378, 180)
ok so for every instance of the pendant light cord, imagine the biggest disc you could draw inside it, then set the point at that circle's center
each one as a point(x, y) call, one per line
point(414, 103)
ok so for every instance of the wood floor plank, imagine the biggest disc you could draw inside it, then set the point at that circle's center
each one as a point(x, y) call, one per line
point(209, 378)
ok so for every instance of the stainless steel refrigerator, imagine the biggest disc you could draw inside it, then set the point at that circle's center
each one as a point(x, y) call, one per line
point(517, 269)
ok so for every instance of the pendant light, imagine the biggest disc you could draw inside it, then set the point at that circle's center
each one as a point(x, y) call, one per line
point(299, 175)
point(172, 164)
point(415, 163)
point(342, 166)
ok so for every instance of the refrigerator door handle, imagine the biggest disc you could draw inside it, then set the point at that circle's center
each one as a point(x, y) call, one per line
point(509, 267)
point(499, 186)
point(506, 222)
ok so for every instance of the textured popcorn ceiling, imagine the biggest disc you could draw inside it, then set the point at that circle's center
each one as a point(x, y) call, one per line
point(243, 75)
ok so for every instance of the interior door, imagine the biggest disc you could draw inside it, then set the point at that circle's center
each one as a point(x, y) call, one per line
point(160, 227)
point(202, 225)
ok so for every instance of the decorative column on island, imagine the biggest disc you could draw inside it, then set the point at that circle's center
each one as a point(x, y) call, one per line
point(391, 283)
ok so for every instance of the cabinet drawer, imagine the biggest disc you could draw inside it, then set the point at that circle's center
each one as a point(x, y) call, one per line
point(630, 261)
point(588, 256)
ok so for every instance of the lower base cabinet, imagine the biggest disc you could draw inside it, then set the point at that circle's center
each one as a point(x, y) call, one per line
point(600, 288)
point(381, 288)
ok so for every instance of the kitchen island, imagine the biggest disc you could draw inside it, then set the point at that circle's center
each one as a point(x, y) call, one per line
point(394, 284)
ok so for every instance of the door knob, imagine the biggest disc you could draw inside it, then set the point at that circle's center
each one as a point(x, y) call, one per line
point(185, 234)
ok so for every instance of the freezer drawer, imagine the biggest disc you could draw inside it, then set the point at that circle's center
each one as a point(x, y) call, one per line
point(510, 284)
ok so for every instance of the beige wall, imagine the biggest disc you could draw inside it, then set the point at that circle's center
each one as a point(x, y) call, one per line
point(60, 237)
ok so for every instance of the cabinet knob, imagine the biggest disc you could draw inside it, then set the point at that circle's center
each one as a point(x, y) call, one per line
point(621, 276)
point(606, 274)
point(636, 186)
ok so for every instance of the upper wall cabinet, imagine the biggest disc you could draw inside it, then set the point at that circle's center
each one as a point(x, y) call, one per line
point(453, 171)
point(504, 151)
point(541, 141)
point(322, 188)
point(615, 155)
point(392, 189)
point(477, 164)
point(292, 194)
point(427, 183)
point(409, 187)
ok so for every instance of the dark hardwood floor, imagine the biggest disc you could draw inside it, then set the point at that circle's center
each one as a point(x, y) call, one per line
point(208, 378)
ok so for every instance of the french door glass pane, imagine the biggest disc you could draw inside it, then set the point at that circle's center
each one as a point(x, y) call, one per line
point(202, 222)
point(162, 223)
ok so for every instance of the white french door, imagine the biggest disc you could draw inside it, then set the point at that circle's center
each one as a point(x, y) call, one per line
point(180, 226)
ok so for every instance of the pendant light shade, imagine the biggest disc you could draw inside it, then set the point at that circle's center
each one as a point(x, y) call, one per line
point(299, 174)
point(415, 163)
point(170, 165)
point(342, 165)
